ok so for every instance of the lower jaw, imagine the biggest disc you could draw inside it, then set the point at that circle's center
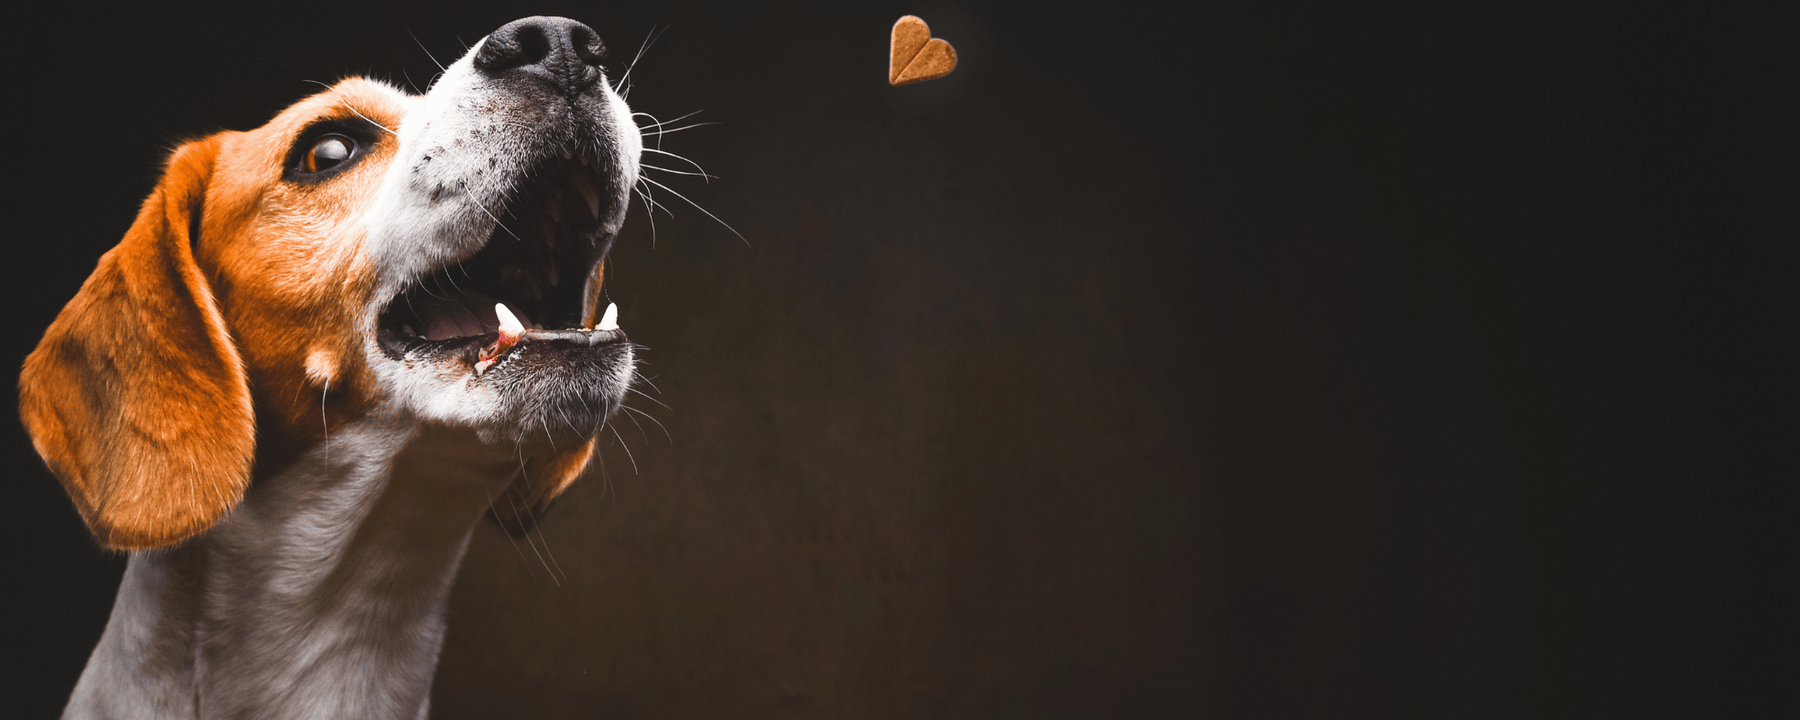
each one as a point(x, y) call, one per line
point(470, 349)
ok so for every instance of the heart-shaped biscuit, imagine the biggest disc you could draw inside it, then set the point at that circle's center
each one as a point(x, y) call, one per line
point(914, 55)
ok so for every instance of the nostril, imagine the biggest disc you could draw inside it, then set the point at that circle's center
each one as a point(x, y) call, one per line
point(587, 44)
point(515, 45)
point(533, 45)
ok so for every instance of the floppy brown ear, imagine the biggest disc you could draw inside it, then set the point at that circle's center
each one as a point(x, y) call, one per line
point(529, 496)
point(136, 397)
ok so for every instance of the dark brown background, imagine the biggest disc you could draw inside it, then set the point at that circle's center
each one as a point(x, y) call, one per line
point(1247, 360)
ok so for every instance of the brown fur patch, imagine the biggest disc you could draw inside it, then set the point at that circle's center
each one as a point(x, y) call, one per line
point(291, 270)
point(528, 498)
point(136, 397)
point(145, 395)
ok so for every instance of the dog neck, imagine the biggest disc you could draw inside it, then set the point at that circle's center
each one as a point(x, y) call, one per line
point(322, 595)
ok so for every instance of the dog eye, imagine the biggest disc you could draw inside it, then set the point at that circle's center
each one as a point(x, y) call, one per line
point(327, 152)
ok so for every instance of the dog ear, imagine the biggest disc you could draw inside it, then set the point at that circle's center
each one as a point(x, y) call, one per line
point(530, 495)
point(136, 397)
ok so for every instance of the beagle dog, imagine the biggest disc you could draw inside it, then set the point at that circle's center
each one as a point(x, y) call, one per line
point(324, 349)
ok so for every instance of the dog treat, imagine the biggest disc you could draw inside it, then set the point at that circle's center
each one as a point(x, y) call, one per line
point(915, 56)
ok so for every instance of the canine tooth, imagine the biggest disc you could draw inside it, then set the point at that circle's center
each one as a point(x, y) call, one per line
point(407, 328)
point(553, 277)
point(609, 321)
point(510, 327)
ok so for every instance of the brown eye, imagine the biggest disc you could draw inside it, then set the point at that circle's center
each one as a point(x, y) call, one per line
point(327, 152)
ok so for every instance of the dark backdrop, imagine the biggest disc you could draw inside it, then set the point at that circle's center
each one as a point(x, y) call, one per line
point(1246, 360)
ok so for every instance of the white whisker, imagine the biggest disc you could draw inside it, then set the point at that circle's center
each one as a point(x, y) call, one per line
point(615, 432)
point(666, 131)
point(696, 205)
point(678, 172)
point(677, 157)
point(358, 113)
point(659, 123)
point(434, 60)
point(651, 418)
point(651, 399)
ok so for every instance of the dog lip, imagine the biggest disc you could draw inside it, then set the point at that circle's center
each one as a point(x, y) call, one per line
point(400, 347)
point(587, 338)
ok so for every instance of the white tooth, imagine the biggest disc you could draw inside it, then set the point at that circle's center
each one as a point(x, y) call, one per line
point(553, 277)
point(610, 321)
point(509, 323)
point(407, 328)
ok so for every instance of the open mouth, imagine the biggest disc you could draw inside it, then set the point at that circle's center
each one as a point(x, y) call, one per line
point(536, 280)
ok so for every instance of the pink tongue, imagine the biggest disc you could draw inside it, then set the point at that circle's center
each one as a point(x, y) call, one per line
point(449, 318)
point(453, 325)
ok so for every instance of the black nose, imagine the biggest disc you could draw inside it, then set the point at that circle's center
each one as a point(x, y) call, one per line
point(560, 50)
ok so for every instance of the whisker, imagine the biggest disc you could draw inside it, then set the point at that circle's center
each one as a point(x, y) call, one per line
point(678, 172)
point(325, 420)
point(646, 380)
point(615, 432)
point(650, 213)
point(520, 514)
point(696, 205)
point(434, 60)
point(653, 419)
point(644, 192)
point(554, 566)
point(651, 399)
point(546, 425)
point(528, 542)
point(665, 131)
point(358, 113)
point(659, 123)
point(605, 479)
point(649, 39)
point(640, 426)
point(515, 543)
point(477, 203)
point(677, 157)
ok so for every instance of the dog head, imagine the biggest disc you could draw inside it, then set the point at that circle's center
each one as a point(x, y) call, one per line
point(341, 263)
